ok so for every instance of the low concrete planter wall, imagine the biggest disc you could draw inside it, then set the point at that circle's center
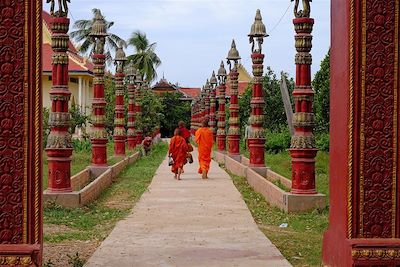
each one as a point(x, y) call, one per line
point(86, 191)
point(79, 180)
point(265, 185)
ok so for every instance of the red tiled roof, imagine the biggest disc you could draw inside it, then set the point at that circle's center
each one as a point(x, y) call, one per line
point(47, 21)
point(76, 62)
point(242, 86)
point(72, 65)
point(190, 92)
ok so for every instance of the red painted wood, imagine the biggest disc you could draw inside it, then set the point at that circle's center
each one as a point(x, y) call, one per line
point(362, 227)
point(21, 133)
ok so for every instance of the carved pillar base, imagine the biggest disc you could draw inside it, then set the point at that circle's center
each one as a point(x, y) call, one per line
point(303, 162)
point(221, 143)
point(59, 162)
point(131, 142)
point(119, 146)
point(256, 149)
point(233, 142)
point(99, 152)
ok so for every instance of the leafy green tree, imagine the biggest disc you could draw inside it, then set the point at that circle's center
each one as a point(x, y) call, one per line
point(83, 27)
point(274, 110)
point(321, 86)
point(152, 112)
point(175, 110)
point(78, 118)
point(145, 57)
point(109, 95)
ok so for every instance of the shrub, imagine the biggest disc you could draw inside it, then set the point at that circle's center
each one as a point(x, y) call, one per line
point(81, 145)
point(322, 141)
point(278, 140)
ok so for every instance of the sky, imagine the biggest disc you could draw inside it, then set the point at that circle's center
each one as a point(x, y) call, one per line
point(193, 36)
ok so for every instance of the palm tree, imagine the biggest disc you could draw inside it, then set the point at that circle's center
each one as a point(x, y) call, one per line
point(81, 35)
point(145, 59)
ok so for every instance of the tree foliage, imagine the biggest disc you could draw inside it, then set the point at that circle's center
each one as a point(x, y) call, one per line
point(109, 95)
point(145, 57)
point(152, 112)
point(274, 110)
point(175, 110)
point(321, 85)
point(83, 27)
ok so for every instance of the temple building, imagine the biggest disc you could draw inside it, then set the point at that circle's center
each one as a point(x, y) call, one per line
point(163, 87)
point(80, 72)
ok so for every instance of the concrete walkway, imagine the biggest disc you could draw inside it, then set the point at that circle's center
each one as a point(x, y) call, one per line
point(188, 223)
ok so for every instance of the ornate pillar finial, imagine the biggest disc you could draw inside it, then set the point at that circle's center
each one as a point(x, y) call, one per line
point(305, 13)
point(62, 8)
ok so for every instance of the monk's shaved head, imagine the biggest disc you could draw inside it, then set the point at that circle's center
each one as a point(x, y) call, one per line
point(205, 123)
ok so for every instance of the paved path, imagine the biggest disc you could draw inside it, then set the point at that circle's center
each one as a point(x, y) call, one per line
point(188, 223)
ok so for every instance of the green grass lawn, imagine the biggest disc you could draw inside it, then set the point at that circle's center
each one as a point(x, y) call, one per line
point(301, 241)
point(96, 220)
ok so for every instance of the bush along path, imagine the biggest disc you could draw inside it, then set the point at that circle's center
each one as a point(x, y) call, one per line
point(72, 235)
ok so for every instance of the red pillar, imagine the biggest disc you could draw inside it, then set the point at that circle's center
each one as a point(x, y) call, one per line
point(302, 148)
point(213, 122)
point(131, 107)
point(138, 97)
point(364, 215)
point(59, 142)
point(221, 132)
point(207, 105)
point(99, 134)
point(234, 129)
point(257, 134)
point(119, 121)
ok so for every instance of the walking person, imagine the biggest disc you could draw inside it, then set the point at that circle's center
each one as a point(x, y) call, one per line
point(204, 139)
point(178, 150)
point(184, 131)
point(186, 134)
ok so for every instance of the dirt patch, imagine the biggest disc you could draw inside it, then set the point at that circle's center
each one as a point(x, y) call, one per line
point(119, 201)
point(58, 253)
point(50, 229)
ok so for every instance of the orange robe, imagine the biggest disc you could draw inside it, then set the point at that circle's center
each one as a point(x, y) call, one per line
point(178, 149)
point(204, 139)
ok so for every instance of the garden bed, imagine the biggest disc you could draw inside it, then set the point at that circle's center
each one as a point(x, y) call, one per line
point(88, 184)
point(274, 187)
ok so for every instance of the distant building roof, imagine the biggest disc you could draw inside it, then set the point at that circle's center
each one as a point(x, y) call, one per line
point(190, 92)
point(163, 86)
point(77, 63)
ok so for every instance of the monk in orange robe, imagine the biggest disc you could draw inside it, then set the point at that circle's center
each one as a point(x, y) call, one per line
point(204, 139)
point(178, 150)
